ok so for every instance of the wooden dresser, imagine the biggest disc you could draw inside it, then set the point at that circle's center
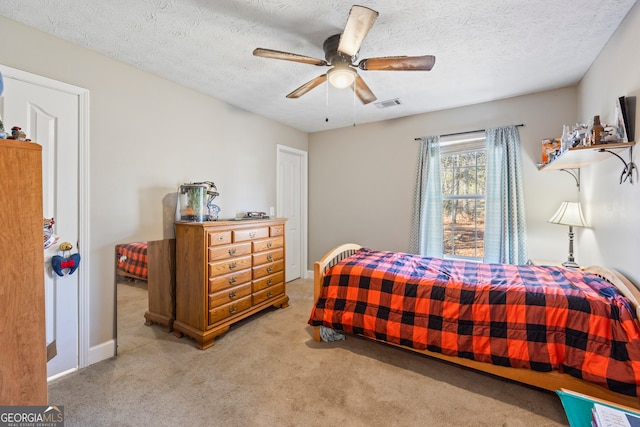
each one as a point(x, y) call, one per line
point(23, 358)
point(225, 272)
point(161, 283)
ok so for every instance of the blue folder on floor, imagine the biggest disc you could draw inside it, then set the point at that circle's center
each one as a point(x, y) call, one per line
point(578, 407)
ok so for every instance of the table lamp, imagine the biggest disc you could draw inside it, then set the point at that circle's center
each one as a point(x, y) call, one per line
point(569, 214)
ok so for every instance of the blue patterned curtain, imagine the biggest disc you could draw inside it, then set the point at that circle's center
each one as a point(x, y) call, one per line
point(505, 239)
point(426, 223)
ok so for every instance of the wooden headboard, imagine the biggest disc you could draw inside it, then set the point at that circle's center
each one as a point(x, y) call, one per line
point(623, 284)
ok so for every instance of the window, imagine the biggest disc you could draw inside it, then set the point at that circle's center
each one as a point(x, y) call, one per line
point(463, 197)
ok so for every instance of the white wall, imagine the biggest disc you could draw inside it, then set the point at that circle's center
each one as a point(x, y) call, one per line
point(147, 136)
point(361, 180)
point(612, 209)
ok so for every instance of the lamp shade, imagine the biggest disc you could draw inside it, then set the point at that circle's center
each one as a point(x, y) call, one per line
point(569, 213)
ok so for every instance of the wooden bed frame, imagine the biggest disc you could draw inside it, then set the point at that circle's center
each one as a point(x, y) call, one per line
point(127, 275)
point(546, 380)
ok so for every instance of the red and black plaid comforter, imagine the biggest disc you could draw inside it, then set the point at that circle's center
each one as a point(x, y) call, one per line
point(132, 258)
point(540, 318)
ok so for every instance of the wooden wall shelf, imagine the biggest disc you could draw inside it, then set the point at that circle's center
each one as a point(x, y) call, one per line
point(575, 158)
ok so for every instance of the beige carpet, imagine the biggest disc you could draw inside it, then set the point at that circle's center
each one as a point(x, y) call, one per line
point(267, 371)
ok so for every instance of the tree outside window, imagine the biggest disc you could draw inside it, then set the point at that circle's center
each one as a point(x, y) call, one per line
point(463, 197)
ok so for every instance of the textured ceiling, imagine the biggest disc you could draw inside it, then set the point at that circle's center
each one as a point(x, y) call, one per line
point(485, 49)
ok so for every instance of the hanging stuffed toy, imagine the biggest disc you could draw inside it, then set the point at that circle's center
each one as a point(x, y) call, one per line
point(70, 263)
point(49, 237)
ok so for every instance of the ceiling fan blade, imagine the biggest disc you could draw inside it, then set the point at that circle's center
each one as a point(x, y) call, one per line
point(359, 23)
point(308, 86)
point(363, 91)
point(399, 63)
point(276, 54)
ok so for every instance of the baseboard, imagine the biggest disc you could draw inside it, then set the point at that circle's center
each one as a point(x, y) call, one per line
point(61, 374)
point(101, 352)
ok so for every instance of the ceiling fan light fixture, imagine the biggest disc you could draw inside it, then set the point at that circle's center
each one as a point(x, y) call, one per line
point(341, 77)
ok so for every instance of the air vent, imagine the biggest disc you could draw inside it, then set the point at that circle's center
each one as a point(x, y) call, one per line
point(388, 103)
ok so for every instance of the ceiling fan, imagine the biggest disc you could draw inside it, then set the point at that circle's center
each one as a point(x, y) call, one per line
point(341, 54)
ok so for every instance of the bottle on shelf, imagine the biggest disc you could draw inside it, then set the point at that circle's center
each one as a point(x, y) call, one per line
point(597, 131)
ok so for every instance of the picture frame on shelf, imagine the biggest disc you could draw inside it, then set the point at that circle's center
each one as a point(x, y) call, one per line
point(622, 121)
point(630, 111)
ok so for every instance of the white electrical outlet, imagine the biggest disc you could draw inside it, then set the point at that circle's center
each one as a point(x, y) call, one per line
point(272, 211)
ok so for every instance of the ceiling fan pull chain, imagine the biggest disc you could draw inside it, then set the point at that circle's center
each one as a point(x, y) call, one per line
point(354, 102)
point(327, 102)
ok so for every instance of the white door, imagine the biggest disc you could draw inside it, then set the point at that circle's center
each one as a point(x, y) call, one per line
point(292, 188)
point(50, 118)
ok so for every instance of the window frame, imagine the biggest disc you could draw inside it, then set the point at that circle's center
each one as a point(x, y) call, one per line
point(456, 145)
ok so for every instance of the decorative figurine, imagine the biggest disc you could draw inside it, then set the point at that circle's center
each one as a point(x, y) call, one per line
point(611, 134)
point(16, 133)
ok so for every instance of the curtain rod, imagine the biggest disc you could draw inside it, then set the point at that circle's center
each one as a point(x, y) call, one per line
point(469, 131)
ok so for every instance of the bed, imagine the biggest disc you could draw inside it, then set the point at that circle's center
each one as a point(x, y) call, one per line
point(549, 327)
point(132, 260)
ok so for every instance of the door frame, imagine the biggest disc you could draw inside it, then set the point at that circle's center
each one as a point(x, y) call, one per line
point(303, 199)
point(83, 197)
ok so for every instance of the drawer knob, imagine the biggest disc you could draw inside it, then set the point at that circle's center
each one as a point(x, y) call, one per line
point(269, 282)
point(232, 251)
point(269, 269)
point(233, 309)
point(232, 280)
point(269, 257)
point(220, 238)
point(232, 266)
point(252, 234)
point(269, 244)
point(269, 294)
point(232, 295)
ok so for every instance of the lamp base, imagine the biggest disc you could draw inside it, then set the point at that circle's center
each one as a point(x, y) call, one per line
point(570, 264)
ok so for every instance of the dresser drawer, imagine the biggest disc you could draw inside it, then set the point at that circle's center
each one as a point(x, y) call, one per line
point(222, 312)
point(268, 293)
point(267, 269)
point(268, 281)
point(276, 230)
point(250, 234)
point(224, 252)
point(229, 295)
point(265, 257)
point(232, 279)
point(271, 243)
point(229, 266)
point(222, 237)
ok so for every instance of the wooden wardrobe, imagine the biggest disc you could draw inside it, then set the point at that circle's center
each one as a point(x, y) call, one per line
point(23, 357)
